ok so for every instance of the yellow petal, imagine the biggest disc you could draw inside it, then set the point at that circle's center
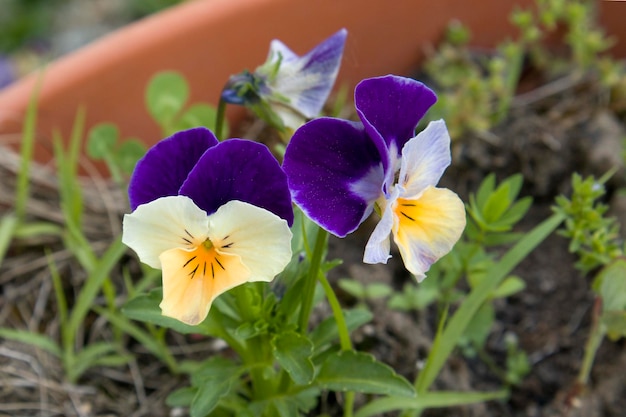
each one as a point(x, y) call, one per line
point(192, 279)
point(427, 227)
point(260, 238)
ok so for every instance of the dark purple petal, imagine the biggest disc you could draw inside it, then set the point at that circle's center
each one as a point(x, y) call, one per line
point(334, 172)
point(391, 107)
point(242, 170)
point(165, 166)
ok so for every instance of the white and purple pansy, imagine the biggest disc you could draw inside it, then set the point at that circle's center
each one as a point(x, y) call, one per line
point(340, 171)
point(211, 215)
point(288, 89)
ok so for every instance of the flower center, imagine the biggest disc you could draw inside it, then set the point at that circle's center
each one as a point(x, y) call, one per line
point(203, 261)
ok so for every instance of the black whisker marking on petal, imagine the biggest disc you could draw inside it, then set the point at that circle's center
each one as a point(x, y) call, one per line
point(408, 217)
point(227, 245)
point(220, 264)
point(204, 269)
point(408, 205)
point(189, 234)
point(186, 240)
point(212, 271)
point(193, 273)
point(187, 263)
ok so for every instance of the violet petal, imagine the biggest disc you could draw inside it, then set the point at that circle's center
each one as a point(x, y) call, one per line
point(165, 166)
point(242, 170)
point(334, 172)
point(392, 106)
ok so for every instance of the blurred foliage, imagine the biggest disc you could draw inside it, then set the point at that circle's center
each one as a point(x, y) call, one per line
point(594, 237)
point(476, 89)
point(24, 23)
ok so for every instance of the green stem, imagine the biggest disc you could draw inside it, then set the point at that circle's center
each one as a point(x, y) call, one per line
point(219, 119)
point(598, 330)
point(344, 334)
point(256, 347)
point(342, 327)
point(311, 279)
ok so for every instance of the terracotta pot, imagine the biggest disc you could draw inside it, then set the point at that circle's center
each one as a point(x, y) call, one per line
point(208, 40)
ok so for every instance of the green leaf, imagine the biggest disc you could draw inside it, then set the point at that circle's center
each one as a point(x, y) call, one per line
point(249, 330)
point(377, 290)
point(610, 284)
point(293, 352)
point(509, 286)
point(37, 229)
point(428, 400)
point(147, 340)
point(101, 140)
point(352, 287)
point(484, 191)
point(166, 95)
point(516, 212)
point(288, 405)
point(8, 226)
point(199, 115)
point(497, 203)
point(209, 395)
point(414, 298)
point(89, 356)
point(615, 322)
point(361, 372)
point(146, 308)
point(479, 328)
point(515, 183)
point(214, 380)
point(326, 331)
point(128, 153)
point(27, 148)
point(33, 339)
point(216, 367)
point(182, 397)
point(93, 284)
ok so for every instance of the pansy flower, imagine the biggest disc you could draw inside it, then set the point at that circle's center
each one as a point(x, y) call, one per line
point(340, 171)
point(210, 215)
point(288, 89)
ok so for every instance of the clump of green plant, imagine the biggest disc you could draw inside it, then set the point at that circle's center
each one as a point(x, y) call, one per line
point(477, 89)
point(594, 238)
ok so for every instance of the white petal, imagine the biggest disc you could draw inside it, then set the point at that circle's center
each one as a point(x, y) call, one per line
point(378, 246)
point(163, 224)
point(279, 50)
point(305, 91)
point(425, 158)
point(258, 236)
